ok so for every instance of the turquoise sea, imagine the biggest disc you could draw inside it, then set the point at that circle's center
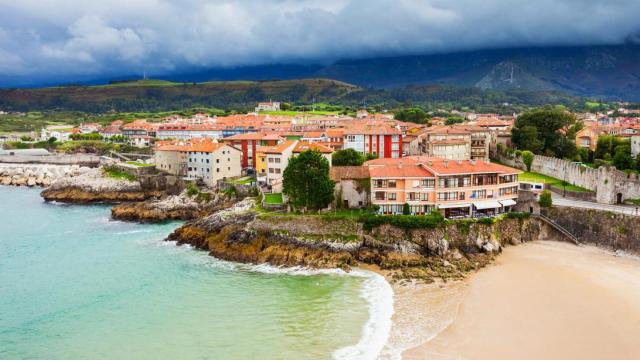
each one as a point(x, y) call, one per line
point(76, 285)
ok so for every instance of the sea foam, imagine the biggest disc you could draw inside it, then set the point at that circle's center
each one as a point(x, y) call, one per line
point(375, 332)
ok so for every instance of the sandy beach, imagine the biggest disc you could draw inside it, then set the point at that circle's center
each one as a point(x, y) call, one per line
point(541, 300)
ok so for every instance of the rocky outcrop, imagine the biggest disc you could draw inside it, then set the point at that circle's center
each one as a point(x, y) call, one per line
point(172, 207)
point(93, 186)
point(240, 234)
point(37, 175)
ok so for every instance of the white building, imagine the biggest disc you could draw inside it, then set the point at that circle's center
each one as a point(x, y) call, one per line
point(268, 106)
point(60, 135)
point(210, 162)
point(635, 145)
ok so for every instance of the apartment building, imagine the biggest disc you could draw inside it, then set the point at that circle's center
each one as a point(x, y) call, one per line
point(211, 162)
point(249, 143)
point(445, 142)
point(456, 188)
point(373, 138)
point(276, 159)
point(200, 158)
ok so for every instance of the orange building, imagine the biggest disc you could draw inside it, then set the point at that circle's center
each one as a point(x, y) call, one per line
point(462, 188)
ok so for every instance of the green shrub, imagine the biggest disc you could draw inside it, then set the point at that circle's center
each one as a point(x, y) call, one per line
point(192, 189)
point(517, 215)
point(545, 199)
point(486, 221)
point(430, 221)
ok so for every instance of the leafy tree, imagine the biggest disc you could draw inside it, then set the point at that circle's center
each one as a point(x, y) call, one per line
point(369, 156)
point(347, 157)
point(527, 159)
point(414, 115)
point(622, 159)
point(584, 154)
point(541, 131)
point(406, 210)
point(454, 120)
point(306, 181)
point(527, 138)
point(545, 199)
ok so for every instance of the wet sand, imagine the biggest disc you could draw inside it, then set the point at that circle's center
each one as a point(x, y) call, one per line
point(542, 300)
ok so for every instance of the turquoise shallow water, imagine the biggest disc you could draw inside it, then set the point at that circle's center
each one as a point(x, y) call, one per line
point(76, 285)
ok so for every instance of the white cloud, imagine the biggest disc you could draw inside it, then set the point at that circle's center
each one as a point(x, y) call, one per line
point(122, 36)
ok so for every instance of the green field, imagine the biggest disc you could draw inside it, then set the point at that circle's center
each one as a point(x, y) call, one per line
point(273, 199)
point(556, 183)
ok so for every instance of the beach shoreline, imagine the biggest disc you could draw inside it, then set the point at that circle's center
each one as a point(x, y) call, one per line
point(537, 293)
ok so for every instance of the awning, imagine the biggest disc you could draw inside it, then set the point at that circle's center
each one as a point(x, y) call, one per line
point(487, 205)
point(451, 206)
point(509, 202)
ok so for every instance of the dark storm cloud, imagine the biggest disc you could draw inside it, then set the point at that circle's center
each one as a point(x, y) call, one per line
point(48, 38)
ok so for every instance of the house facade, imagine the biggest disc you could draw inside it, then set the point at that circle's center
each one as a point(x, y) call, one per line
point(456, 188)
point(382, 141)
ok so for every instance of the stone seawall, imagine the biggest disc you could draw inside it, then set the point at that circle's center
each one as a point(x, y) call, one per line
point(56, 159)
point(601, 228)
point(37, 174)
point(609, 183)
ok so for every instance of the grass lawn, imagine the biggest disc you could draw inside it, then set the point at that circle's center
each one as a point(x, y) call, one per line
point(556, 183)
point(244, 181)
point(136, 163)
point(113, 173)
point(273, 198)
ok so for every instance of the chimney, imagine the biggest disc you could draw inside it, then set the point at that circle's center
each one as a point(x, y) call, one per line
point(446, 163)
point(473, 162)
point(400, 165)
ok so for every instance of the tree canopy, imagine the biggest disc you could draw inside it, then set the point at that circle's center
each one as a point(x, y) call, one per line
point(549, 131)
point(347, 157)
point(414, 115)
point(306, 181)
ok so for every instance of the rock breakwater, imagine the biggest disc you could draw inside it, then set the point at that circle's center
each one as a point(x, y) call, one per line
point(37, 174)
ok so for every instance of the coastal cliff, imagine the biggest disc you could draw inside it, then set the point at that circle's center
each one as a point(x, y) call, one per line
point(93, 186)
point(171, 207)
point(448, 251)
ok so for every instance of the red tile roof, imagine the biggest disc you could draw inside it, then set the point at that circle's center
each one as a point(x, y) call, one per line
point(304, 146)
point(338, 173)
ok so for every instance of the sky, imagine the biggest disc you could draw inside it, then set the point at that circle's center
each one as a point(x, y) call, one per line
point(80, 39)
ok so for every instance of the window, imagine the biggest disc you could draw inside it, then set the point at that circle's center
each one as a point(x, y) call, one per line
point(217, 170)
point(429, 183)
point(217, 161)
point(207, 169)
point(392, 196)
point(277, 171)
point(391, 184)
point(380, 195)
point(207, 161)
point(270, 170)
point(445, 196)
